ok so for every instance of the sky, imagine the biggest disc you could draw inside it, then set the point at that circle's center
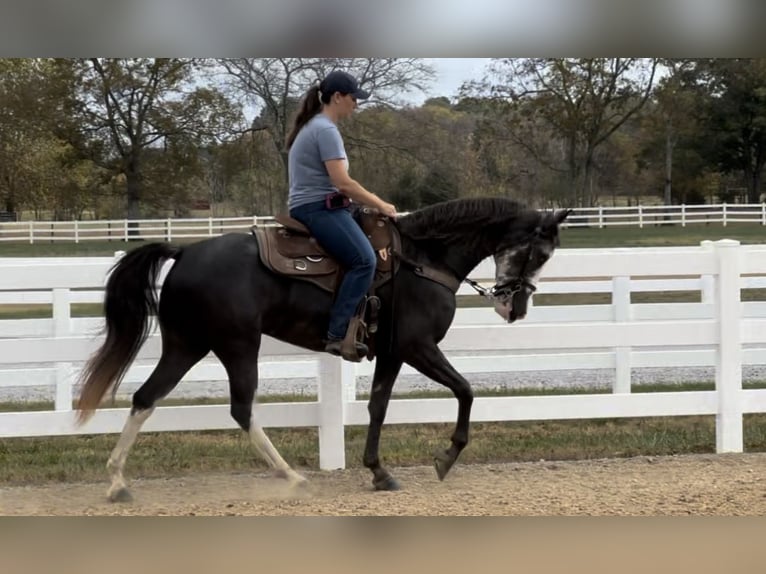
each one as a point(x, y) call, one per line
point(450, 74)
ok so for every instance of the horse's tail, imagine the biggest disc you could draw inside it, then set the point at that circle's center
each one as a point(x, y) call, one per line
point(129, 299)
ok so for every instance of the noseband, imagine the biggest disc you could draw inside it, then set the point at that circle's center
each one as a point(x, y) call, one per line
point(503, 290)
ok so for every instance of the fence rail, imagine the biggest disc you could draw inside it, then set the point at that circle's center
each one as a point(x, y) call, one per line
point(718, 330)
point(172, 229)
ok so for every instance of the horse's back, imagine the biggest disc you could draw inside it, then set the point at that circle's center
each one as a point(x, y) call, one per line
point(219, 286)
point(215, 275)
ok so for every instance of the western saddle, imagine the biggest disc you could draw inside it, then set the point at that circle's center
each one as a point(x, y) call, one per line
point(289, 249)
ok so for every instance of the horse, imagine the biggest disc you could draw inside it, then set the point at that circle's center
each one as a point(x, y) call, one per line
point(219, 296)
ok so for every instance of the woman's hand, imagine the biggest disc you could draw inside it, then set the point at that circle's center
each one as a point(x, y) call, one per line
point(387, 209)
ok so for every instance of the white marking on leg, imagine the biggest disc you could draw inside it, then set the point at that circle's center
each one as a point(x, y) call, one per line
point(116, 462)
point(269, 452)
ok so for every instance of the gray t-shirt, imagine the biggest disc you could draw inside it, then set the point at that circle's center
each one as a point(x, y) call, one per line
point(318, 141)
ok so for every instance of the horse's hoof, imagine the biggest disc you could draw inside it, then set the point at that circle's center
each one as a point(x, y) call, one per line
point(296, 480)
point(121, 494)
point(386, 483)
point(443, 463)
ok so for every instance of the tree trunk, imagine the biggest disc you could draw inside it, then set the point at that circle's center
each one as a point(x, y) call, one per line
point(10, 203)
point(284, 190)
point(588, 195)
point(668, 198)
point(754, 193)
point(573, 173)
point(134, 185)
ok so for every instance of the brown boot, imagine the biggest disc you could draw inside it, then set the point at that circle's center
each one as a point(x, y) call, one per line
point(335, 347)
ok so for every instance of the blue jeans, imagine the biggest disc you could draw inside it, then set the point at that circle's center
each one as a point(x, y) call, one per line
point(339, 235)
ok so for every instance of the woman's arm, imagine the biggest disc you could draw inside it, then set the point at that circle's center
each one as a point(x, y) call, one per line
point(336, 168)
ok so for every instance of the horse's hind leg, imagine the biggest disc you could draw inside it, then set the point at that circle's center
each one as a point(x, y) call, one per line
point(242, 367)
point(171, 367)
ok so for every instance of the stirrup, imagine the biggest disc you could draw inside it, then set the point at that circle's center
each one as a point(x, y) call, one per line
point(372, 307)
point(352, 348)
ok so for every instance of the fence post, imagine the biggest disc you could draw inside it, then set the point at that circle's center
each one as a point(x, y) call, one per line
point(621, 305)
point(335, 377)
point(763, 213)
point(76, 231)
point(683, 215)
point(168, 231)
point(640, 216)
point(723, 210)
point(728, 371)
point(707, 287)
point(62, 327)
point(31, 232)
point(600, 216)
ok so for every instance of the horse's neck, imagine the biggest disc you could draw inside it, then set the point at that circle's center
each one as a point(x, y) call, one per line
point(464, 261)
point(458, 258)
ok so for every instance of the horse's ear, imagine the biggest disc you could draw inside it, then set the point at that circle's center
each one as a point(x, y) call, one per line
point(561, 215)
point(553, 220)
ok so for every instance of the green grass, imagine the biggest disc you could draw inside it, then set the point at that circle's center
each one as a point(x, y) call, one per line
point(82, 458)
point(39, 460)
point(65, 249)
point(660, 236)
point(633, 236)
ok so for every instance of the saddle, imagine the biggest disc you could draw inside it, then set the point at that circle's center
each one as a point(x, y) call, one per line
point(289, 249)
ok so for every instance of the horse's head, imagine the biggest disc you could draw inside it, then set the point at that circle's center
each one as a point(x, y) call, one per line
point(518, 262)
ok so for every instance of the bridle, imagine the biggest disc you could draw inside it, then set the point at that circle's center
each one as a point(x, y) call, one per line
point(503, 290)
point(508, 289)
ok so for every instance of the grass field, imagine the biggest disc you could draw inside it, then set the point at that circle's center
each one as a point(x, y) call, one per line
point(663, 235)
point(166, 454)
point(82, 458)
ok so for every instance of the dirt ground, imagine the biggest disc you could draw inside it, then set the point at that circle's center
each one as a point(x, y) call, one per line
point(732, 484)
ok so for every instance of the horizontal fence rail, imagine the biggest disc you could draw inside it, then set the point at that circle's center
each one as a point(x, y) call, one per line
point(182, 229)
point(714, 328)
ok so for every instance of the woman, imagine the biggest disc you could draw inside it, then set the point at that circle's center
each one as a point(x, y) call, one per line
point(320, 188)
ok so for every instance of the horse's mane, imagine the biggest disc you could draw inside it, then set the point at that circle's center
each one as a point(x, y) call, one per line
point(452, 218)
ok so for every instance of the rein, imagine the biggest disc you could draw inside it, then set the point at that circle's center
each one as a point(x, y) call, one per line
point(442, 277)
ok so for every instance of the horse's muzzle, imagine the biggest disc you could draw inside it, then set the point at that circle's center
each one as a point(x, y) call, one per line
point(507, 312)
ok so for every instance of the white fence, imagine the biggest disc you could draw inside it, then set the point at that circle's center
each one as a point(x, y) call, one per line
point(171, 229)
point(719, 330)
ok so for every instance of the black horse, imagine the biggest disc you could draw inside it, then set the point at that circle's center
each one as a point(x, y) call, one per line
point(219, 297)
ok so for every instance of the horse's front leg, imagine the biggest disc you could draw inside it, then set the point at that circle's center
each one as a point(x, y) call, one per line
point(386, 371)
point(430, 361)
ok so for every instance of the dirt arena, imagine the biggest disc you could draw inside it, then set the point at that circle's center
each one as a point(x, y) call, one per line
point(733, 484)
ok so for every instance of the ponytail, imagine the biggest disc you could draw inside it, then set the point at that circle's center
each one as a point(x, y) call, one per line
point(310, 106)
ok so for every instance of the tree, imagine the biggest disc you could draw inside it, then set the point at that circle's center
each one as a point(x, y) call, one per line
point(674, 105)
point(735, 117)
point(21, 131)
point(583, 101)
point(121, 108)
point(275, 86)
point(413, 156)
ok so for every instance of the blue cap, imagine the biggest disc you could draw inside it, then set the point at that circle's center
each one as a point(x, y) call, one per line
point(344, 83)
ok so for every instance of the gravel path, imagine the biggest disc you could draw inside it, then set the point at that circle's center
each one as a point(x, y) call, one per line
point(677, 485)
point(584, 378)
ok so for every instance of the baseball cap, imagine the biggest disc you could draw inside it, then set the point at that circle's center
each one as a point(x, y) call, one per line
point(344, 83)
